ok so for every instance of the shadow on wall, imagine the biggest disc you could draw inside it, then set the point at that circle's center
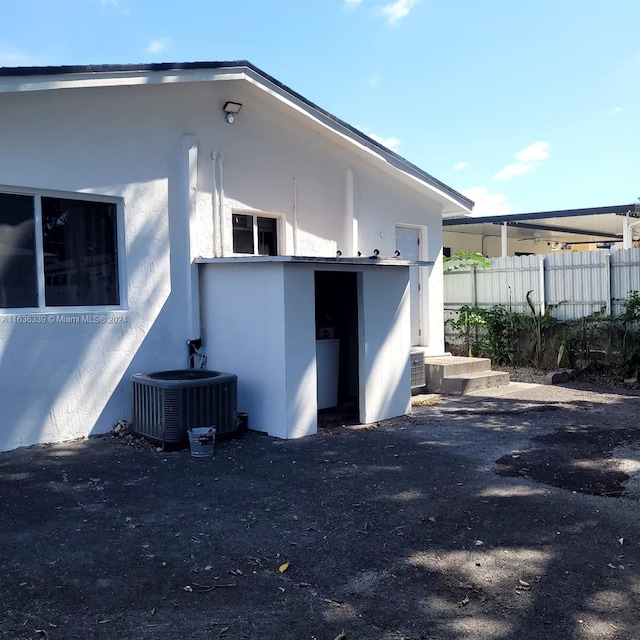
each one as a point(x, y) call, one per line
point(164, 345)
point(63, 381)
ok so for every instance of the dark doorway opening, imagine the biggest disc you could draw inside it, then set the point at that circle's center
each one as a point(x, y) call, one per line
point(336, 298)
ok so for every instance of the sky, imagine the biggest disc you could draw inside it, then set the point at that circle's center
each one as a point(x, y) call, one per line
point(521, 105)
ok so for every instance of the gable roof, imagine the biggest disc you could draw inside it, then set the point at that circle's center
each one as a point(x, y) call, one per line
point(15, 79)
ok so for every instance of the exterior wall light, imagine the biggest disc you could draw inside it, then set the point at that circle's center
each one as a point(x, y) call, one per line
point(231, 109)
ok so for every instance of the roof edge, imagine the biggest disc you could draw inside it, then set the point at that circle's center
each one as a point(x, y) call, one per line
point(402, 163)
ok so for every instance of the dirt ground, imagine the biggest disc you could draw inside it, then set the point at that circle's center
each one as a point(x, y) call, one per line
point(509, 515)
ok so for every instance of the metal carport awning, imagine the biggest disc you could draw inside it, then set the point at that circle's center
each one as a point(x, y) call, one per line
point(618, 223)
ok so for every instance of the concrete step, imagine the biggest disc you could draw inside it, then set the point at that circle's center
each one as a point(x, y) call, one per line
point(439, 368)
point(475, 381)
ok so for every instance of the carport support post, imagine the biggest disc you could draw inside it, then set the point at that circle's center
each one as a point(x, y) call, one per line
point(607, 282)
point(626, 231)
point(541, 283)
point(503, 239)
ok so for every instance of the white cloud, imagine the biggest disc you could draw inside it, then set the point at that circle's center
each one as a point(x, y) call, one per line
point(616, 111)
point(488, 204)
point(515, 169)
point(396, 11)
point(374, 81)
point(390, 143)
point(159, 45)
point(352, 4)
point(530, 157)
point(459, 166)
point(534, 152)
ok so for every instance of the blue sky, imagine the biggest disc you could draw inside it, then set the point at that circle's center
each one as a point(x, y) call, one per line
point(523, 105)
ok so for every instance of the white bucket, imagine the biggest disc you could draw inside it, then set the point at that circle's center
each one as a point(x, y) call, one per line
point(201, 440)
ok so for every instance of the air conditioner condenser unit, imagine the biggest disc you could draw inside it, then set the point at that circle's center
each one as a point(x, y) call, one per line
point(168, 403)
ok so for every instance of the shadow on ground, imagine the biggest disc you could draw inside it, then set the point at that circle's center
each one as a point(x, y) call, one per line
point(396, 530)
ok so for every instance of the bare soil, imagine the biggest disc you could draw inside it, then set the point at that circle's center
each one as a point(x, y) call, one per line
point(513, 515)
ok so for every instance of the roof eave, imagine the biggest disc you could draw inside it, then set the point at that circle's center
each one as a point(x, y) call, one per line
point(12, 79)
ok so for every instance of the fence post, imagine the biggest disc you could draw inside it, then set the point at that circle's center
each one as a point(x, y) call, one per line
point(474, 288)
point(607, 282)
point(541, 284)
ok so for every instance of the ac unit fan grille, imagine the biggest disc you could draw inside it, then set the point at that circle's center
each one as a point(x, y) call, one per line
point(418, 372)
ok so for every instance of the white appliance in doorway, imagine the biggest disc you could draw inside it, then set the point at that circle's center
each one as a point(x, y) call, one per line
point(328, 363)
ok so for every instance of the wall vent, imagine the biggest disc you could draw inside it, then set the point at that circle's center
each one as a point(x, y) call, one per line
point(168, 403)
point(418, 372)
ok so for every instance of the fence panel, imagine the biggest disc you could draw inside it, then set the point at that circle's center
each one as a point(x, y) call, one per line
point(579, 283)
point(625, 276)
point(508, 281)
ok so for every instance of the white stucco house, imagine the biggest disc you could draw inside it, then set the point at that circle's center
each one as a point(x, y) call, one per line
point(143, 206)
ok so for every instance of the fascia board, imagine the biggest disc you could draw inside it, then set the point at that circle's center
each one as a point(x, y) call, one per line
point(13, 84)
point(372, 151)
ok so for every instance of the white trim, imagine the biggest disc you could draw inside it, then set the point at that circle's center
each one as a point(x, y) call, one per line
point(123, 280)
point(39, 249)
point(54, 193)
point(257, 213)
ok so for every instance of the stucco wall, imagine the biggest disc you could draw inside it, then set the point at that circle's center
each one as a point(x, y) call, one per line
point(260, 323)
point(244, 333)
point(62, 381)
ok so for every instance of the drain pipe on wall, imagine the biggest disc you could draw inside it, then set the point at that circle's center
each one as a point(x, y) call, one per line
point(295, 216)
point(190, 190)
point(218, 205)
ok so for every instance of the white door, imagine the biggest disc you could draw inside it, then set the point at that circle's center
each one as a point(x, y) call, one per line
point(408, 244)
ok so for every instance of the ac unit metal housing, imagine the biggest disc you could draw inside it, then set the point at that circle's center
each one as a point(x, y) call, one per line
point(418, 372)
point(168, 403)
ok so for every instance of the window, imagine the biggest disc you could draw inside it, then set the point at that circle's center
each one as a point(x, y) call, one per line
point(250, 232)
point(57, 252)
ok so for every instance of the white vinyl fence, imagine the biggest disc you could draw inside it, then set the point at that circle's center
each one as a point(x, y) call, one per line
point(577, 284)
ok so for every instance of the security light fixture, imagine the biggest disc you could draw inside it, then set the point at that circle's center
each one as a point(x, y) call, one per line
point(231, 109)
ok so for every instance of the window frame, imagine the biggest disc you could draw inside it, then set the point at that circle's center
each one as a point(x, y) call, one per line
point(42, 308)
point(255, 214)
